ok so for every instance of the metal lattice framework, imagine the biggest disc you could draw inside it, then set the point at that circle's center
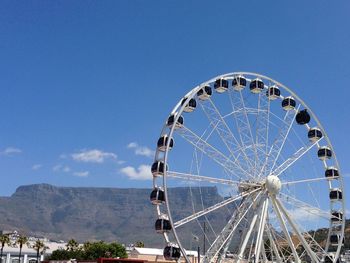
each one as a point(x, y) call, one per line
point(257, 175)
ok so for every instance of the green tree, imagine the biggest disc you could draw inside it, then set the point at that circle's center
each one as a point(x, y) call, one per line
point(38, 246)
point(139, 244)
point(89, 251)
point(4, 240)
point(96, 250)
point(118, 250)
point(60, 254)
point(72, 245)
point(21, 240)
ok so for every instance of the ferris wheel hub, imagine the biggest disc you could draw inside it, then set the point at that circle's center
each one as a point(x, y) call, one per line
point(273, 184)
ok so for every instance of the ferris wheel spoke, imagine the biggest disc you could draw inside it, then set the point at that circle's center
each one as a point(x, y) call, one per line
point(247, 237)
point(243, 124)
point(306, 181)
point(291, 160)
point(296, 230)
point(262, 128)
point(200, 178)
point(213, 208)
point(219, 124)
point(280, 140)
point(285, 230)
point(310, 209)
point(229, 229)
point(233, 167)
point(261, 229)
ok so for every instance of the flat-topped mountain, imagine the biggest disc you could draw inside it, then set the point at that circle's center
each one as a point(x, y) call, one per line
point(125, 215)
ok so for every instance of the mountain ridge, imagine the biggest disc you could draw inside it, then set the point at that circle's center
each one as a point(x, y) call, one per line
point(89, 213)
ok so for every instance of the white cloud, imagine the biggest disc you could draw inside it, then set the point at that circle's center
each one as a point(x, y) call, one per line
point(93, 156)
point(63, 156)
point(37, 166)
point(9, 151)
point(61, 168)
point(66, 169)
point(141, 150)
point(306, 214)
point(81, 174)
point(143, 172)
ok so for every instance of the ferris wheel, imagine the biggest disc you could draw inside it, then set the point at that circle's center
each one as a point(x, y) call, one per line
point(245, 171)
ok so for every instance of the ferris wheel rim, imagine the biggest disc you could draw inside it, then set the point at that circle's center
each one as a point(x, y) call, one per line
point(179, 109)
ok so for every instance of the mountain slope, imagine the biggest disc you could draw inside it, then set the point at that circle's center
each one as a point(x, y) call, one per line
point(107, 214)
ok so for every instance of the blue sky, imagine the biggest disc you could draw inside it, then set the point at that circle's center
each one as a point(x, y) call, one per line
point(85, 86)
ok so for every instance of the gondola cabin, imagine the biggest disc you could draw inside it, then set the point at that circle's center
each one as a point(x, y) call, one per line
point(157, 196)
point(191, 104)
point(204, 93)
point(337, 217)
point(221, 85)
point(256, 85)
point(314, 134)
point(162, 225)
point(163, 142)
point(302, 117)
point(171, 120)
point(334, 239)
point(273, 92)
point(157, 168)
point(288, 103)
point(239, 82)
point(171, 252)
point(324, 153)
point(335, 194)
point(331, 173)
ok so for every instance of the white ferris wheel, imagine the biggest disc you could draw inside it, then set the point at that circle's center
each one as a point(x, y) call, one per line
point(245, 171)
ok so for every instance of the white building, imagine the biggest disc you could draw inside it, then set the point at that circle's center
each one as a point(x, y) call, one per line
point(11, 253)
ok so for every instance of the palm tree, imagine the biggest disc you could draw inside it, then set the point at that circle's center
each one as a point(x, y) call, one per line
point(4, 240)
point(21, 240)
point(38, 245)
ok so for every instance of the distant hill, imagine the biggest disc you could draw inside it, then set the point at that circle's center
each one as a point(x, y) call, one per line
point(109, 214)
point(125, 215)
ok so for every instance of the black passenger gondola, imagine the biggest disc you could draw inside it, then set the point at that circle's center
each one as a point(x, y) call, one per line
point(239, 82)
point(314, 134)
point(288, 103)
point(171, 252)
point(157, 168)
point(191, 104)
point(273, 92)
point(335, 194)
point(324, 153)
point(162, 225)
point(204, 93)
point(331, 173)
point(256, 85)
point(171, 120)
point(163, 142)
point(302, 117)
point(157, 196)
point(337, 217)
point(334, 239)
point(221, 85)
